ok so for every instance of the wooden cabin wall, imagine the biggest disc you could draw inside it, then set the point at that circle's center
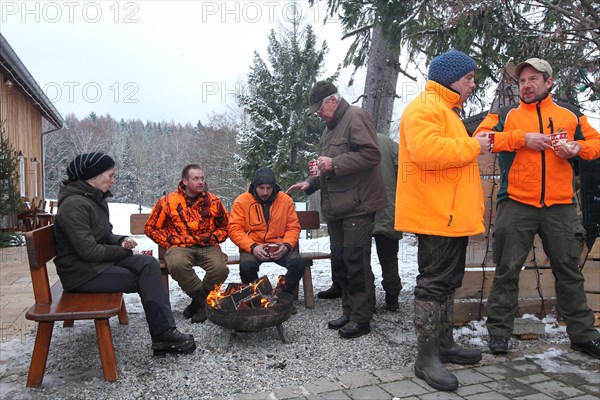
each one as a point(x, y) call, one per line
point(23, 126)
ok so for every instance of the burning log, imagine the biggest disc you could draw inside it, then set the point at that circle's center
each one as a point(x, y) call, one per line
point(238, 296)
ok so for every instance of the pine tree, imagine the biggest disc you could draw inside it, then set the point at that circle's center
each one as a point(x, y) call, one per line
point(9, 193)
point(277, 133)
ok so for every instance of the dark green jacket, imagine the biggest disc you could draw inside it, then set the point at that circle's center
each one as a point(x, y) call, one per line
point(85, 244)
point(384, 219)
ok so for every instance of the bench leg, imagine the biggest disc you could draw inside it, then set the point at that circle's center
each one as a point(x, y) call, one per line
point(309, 300)
point(40, 354)
point(68, 323)
point(107, 350)
point(123, 316)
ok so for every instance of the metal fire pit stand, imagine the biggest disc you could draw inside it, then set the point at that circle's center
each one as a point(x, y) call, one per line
point(225, 337)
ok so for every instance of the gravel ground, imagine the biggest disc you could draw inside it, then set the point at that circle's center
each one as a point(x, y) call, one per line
point(254, 362)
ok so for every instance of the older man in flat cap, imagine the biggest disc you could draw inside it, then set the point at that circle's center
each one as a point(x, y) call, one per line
point(352, 190)
point(535, 140)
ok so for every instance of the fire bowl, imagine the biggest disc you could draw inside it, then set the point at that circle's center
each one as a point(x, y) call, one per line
point(253, 319)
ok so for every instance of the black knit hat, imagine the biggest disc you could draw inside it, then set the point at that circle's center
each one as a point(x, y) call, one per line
point(88, 165)
point(264, 175)
point(450, 66)
point(318, 93)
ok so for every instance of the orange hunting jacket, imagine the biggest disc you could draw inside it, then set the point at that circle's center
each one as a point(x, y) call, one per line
point(177, 220)
point(438, 190)
point(247, 225)
point(538, 178)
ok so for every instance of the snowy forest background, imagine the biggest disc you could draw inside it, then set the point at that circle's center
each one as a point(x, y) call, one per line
point(267, 124)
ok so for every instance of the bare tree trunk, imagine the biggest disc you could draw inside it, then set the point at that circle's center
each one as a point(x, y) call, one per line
point(381, 80)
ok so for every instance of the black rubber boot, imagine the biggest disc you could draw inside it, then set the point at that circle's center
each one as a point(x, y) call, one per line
point(200, 312)
point(391, 302)
point(172, 341)
point(428, 365)
point(196, 303)
point(449, 350)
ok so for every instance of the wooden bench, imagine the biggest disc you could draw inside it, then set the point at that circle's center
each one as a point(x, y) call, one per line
point(308, 220)
point(52, 304)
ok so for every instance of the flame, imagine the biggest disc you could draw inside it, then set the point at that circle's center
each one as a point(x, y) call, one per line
point(222, 291)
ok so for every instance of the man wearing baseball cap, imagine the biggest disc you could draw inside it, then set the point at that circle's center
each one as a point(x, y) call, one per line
point(535, 140)
point(352, 190)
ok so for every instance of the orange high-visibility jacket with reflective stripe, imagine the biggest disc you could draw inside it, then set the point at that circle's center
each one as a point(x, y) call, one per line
point(438, 190)
point(538, 178)
point(247, 224)
point(177, 220)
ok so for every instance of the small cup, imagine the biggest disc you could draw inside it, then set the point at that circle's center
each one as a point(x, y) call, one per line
point(313, 167)
point(557, 139)
point(491, 136)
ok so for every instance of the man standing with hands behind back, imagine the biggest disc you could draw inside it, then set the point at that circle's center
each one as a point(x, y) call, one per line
point(352, 190)
point(439, 197)
point(536, 195)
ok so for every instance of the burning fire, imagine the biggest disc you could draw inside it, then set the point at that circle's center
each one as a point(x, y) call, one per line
point(239, 296)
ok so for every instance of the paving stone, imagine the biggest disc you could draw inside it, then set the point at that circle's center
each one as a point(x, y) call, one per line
point(470, 390)
point(570, 379)
point(497, 371)
point(440, 396)
point(511, 388)
point(535, 396)
point(471, 377)
point(358, 379)
point(322, 385)
point(525, 366)
point(591, 389)
point(337, 395)
point(369, 393)
point(487, 396)
point(389, 375)
point(557, 390)
point(404, 388)
point(533, 378)
point(290, 392)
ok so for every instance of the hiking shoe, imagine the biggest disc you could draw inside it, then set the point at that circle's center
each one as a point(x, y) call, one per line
point(333, 292)
point(339, 322)
point(354, 329)
point(498, 344)
point(173, 341)
point(591, 348)
point(391, 302)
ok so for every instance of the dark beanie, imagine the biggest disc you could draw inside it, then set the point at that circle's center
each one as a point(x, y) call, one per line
point(88, 165)
point(450, 66)
point(264, 175)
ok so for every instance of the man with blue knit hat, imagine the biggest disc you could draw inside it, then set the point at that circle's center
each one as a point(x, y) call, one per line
point(439, 198)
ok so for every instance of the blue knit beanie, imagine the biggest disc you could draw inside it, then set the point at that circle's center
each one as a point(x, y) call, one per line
point(450, 66)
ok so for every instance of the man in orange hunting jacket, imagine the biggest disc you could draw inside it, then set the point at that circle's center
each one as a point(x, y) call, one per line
point(536, 195)
point(439, 197)
point(265, 226)
point(190, 223)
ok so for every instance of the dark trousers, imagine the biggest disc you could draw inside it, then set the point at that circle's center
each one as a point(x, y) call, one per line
point(250, 265)
point(387, 252)
point(441, 262)
point(562, 237)
point(350, 240)
point(137, 274)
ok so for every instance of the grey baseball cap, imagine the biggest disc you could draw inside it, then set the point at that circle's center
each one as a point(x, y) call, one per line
point(537, 63)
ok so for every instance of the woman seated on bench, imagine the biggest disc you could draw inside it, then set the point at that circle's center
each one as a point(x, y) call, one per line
point(90, 258)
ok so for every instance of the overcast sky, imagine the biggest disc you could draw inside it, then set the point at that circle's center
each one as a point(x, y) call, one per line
point(152, 60)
